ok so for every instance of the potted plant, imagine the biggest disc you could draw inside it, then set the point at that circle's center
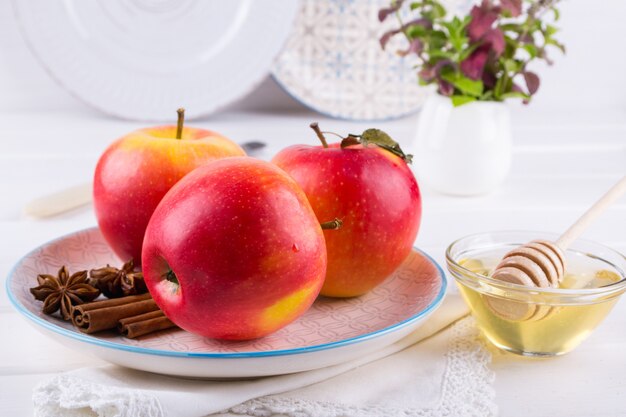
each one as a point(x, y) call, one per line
point(476, 62)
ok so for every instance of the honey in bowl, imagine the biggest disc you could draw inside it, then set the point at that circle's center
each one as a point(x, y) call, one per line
point(554, 321)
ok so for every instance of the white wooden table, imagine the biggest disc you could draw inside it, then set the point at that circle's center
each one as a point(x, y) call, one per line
point(562, 162)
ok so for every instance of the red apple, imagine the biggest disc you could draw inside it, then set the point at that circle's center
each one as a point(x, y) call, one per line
point(136, 171)
point(234, 251)
point(365, 182)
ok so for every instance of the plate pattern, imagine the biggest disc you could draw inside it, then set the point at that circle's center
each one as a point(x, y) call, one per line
point(333, 62)
point(415, 286)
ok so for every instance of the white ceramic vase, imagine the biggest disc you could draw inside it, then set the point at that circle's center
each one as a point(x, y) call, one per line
point(464, 150)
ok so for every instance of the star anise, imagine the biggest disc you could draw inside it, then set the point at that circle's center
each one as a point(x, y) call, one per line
point(63, 291)
point(114, 282)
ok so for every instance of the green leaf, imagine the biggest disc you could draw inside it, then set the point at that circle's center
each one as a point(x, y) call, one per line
point(437, 39)
point(511, 41)
point(378, 137)
point(512, 65)
point(457, 23)
point(512, 27)
point(531, 49)
point(459, 43)
point(438, 34)
point(510, 48)
point(458, 100)
point(421, 81)
point(557, 14)
point(438, 10)
point(508, 85)
point(383, 140)
point(449, 26)
point(471, 87)
point(556, 43)
point(499, 87)
point(514, 94)
point(468, 51)
point(487, 95)
point(509, 65)
point(416, 31)
point(427, 14)
point(438, 53)
point(455, 33)
point(550, 30)
point(465, 85)
point(535, 25)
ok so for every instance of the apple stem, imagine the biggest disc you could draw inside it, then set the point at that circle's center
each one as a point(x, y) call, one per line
point(332, 225)
point(179, 125)
point(319, 134)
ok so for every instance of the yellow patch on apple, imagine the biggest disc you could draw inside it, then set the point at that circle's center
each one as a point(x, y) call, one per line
point(286, 307)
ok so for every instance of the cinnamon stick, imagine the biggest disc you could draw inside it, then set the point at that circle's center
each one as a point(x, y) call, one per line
point(103, 315)
point(143, 324)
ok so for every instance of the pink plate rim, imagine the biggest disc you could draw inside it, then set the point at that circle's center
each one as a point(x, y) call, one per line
point(51, 326)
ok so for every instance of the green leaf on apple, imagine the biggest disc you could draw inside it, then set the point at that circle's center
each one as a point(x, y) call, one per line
point(383, 140)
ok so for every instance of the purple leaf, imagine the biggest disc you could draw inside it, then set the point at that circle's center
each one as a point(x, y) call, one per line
point(483, 17)
point(395, 6)
point(415, 47)
point(489, 79)
point(516, 88)
point(383, 13)
point(514, 7)
point(426, 73)
point(429, 73)
point(386, 36)
point(445, 88)
point(419, 21)
point(532, 82)
point(474, 64)
point(495, 38)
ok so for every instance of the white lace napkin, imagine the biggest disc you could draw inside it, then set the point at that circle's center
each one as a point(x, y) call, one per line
point(444, 374)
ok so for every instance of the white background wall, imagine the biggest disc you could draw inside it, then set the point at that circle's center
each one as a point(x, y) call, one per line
point(591, 77)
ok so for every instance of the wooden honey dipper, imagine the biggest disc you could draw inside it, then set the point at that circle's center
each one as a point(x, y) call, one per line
point(541, 263)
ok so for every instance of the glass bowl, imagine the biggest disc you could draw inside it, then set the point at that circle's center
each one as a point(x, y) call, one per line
point(537, 321)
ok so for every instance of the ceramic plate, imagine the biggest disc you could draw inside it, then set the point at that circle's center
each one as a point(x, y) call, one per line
point(142, 59)
point(332, 331)
point(333, 62)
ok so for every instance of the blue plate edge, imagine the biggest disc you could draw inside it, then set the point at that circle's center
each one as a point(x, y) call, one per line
point(431, 307)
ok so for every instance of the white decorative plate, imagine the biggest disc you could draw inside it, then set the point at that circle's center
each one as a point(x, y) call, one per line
point(333, 62)
point(332, 331)
point(142, 59)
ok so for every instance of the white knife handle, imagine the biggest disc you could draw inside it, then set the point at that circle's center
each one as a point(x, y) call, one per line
point(60, 202)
